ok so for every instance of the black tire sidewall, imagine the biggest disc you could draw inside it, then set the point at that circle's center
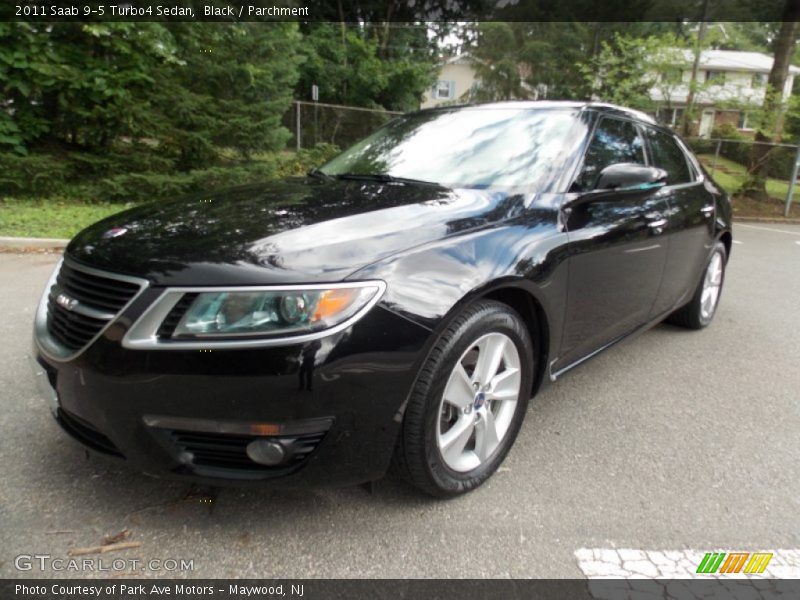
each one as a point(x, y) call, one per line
point(493, 318)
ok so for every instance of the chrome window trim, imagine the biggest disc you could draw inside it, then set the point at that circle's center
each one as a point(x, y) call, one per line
point(143, 334)
point(45, 342)
point(681, 186)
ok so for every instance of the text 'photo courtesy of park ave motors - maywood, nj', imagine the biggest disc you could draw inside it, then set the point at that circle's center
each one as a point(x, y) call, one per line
point(159, 589)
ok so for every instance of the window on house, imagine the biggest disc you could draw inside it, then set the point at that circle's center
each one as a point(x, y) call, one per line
point(743, 122)
point(672, 76)
point(669, 116)
point(444, 90)
point(759, 80)
point(715, 77)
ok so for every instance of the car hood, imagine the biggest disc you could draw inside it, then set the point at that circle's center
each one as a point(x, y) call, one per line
point(291, 231)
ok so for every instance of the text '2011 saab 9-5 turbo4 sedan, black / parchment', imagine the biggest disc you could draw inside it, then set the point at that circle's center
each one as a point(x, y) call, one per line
point(398, 306)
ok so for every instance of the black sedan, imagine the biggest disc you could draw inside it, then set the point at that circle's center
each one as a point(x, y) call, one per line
point(398, 306)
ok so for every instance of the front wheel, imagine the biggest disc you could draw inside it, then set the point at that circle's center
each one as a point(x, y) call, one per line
point(699, 312)
point(469, 401)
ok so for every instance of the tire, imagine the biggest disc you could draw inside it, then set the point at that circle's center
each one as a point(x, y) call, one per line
point(433, 422)
point(695, 315)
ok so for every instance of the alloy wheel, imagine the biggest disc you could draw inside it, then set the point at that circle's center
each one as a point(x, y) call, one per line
point(479, 401)
point(712, 283)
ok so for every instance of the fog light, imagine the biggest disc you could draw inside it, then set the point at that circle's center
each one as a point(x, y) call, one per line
point(266, 452)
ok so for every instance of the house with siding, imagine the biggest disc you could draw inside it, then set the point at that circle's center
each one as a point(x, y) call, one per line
point(456, 78)
point(731, 83)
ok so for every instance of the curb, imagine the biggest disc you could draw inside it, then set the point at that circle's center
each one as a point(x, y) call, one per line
point(766, 220)
point(32, 243)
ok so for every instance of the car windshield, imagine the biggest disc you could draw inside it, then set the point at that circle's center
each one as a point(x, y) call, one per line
point(466, 147)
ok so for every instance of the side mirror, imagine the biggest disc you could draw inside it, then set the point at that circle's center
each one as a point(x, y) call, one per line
point(630, 177)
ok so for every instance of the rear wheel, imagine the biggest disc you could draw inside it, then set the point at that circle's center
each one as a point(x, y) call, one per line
point(469, 401)
point(699, 312)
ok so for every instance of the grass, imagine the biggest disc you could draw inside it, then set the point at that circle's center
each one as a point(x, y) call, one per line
point(50, 218)
point(731, 175)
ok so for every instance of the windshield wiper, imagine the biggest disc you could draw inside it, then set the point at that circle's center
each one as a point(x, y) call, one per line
point(385, 178)
point(318, 174)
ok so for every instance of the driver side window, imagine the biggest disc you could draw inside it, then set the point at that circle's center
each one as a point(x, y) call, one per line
point(614, 141)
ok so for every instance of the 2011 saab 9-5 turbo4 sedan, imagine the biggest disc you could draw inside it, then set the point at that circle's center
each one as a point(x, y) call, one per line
point(400, 305)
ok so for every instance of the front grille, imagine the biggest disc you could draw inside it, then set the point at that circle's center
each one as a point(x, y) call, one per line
point(99, 299)
point(85, 433)
point(228, 451)
point(69, 329)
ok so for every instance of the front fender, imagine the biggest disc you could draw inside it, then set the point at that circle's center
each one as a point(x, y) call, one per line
point(431, 284)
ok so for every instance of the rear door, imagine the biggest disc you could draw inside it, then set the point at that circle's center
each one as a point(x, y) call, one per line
point(690, 220)
point(617, 254)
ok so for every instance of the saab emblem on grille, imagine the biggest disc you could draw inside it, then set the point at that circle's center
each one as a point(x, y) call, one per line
point(65, 301)
point(115, 232)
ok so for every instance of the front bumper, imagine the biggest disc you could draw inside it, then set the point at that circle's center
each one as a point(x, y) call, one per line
point(190, 413)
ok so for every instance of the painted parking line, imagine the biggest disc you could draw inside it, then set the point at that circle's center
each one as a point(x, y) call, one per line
point(772, 229)
point(633, 563)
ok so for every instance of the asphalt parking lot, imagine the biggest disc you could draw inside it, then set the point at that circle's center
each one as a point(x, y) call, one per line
point(673, 442)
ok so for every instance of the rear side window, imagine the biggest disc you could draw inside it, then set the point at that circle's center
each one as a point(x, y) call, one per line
point(614, 142)
point(668, 155)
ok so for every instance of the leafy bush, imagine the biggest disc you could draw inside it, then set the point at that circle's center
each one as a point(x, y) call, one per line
point(727, 131)
point(779, 162)
point(145, 187)
point(133, 159)
point(298, 163)
point(139, 175)
point(36, 174)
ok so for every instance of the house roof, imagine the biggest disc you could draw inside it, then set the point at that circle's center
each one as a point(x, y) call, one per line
point(734, 60)
point(465, 58)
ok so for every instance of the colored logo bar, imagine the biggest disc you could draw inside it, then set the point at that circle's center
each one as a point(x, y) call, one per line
point(734, 562)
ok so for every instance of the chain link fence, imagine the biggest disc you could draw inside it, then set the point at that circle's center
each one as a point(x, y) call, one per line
point(313, 123)
point(729, 163)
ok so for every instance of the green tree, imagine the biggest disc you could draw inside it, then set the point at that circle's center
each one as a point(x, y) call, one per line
point(498, 68)
point(182, 90)
point(228, 87)
point(770, 123)
point(77, 84)
point(626, 69)
point(523, 59)
point(370, 64)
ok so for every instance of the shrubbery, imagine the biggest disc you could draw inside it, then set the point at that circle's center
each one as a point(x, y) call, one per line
point(141, 176)
point(780, 159)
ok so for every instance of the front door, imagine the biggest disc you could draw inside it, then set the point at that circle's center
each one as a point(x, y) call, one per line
point(706, 123)
point(616, 252)
point(690, 220)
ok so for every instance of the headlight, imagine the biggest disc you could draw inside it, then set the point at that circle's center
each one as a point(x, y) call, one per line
point(250, 316)
point(215, 314)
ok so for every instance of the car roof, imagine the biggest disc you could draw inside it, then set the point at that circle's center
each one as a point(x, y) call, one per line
point(554, 105)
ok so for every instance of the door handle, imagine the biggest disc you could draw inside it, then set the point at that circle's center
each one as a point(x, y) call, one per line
point(657, 224)
point(707, 210)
